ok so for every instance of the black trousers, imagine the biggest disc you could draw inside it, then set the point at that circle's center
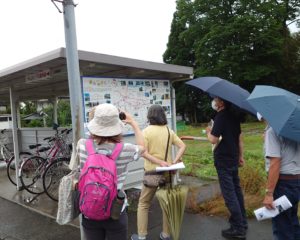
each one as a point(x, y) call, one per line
point(107, 229)
point(233, 196)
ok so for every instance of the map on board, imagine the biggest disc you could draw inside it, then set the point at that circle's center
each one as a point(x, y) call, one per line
point(134, 96)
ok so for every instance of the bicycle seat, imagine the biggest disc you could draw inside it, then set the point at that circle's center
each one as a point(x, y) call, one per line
point(44, 149)
point(26, 153)
point(51, 139)
point(34, 146)
point(63, 131)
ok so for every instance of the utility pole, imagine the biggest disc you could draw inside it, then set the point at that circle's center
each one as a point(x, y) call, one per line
point(73, 74)
point(73, 68)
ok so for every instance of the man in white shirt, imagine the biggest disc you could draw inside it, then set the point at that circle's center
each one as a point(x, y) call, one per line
point(283, 167)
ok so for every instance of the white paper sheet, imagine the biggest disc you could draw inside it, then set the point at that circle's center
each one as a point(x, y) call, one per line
point(172, 167)
point(281, 204)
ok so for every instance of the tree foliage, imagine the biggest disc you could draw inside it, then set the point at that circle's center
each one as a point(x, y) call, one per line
point(247, 42)
point(63, 114)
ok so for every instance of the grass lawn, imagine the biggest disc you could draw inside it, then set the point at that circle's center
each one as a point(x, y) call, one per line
point(199, 162)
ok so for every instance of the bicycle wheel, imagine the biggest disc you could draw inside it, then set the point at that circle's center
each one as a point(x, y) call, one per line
point(11, 166)
point(53, 174)
point(31, 174)
point(6, 153)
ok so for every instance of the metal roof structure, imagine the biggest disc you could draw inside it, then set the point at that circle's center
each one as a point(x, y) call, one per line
point(33, 116)
point(45, 76)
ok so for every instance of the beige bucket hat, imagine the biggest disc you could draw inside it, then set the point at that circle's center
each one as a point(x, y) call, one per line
point(106, 121)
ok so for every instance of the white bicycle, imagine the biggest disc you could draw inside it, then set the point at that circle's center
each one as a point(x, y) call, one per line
point(9, 158)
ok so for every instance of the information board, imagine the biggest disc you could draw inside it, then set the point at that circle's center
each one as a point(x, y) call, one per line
point(134, 96)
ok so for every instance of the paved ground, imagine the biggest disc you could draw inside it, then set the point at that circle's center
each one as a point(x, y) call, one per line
point(199, 227)
point(36, 221)
point(19, 223)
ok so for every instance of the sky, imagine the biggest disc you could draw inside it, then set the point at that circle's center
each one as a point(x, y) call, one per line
point(129, 28)
point(136, 29)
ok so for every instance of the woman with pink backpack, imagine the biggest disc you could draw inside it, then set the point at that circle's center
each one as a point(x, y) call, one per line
point(103, 161)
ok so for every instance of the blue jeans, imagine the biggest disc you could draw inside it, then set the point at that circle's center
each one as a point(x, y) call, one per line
point(286, 224)
point(233, 196)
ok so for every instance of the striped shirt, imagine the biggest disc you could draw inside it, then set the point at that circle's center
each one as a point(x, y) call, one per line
point(129, 153)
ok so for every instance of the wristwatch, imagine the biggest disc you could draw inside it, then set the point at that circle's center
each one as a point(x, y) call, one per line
point(269, 192)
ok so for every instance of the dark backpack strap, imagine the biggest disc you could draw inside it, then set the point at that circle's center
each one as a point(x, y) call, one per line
point(167, 149)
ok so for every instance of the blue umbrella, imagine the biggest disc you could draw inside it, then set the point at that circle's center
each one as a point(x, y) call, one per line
point(280, 108)
point(224, 89)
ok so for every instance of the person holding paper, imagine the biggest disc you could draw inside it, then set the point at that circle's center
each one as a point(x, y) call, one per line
point(283, 167)
point(156, 138)
point(228, 156)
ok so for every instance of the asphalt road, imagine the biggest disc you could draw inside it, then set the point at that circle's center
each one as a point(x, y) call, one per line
point(19, 223)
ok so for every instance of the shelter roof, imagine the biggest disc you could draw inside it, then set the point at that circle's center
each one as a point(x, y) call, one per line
point(33, 116)
point(45, 76)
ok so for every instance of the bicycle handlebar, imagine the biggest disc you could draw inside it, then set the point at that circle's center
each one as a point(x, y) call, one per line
point(69, 130)
point(64, 130)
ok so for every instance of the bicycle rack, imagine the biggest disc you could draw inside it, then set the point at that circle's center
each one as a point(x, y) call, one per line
point(30, 200)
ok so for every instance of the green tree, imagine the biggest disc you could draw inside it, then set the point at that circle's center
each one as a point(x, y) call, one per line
point(247, 42)
point(28, 107)
point(64, 113)
point(180, 51)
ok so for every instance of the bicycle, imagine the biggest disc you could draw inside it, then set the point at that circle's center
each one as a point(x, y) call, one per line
point(33, 169)
point(52, 176)
point(9, 158)
point(56, 170)
point(5, 151)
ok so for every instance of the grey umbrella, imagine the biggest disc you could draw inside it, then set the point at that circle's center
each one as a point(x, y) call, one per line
point(224, 89)
point(280, 108)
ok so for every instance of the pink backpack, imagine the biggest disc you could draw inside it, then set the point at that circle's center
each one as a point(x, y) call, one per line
point(98, 183)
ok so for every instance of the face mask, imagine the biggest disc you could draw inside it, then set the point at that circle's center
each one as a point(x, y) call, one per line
point(214, 105)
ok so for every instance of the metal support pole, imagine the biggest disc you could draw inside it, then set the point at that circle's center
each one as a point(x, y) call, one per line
point(15, 134)
point(73, 76)
point(176, 179)
point(55, 110)
point(73, 70)
point(18, 117)
point(173, 108)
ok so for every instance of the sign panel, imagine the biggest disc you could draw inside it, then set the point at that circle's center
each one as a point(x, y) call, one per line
point(39, 76)
point(131, 95)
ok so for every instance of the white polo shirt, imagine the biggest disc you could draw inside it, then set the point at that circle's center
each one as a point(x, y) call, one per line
point(287, 150)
